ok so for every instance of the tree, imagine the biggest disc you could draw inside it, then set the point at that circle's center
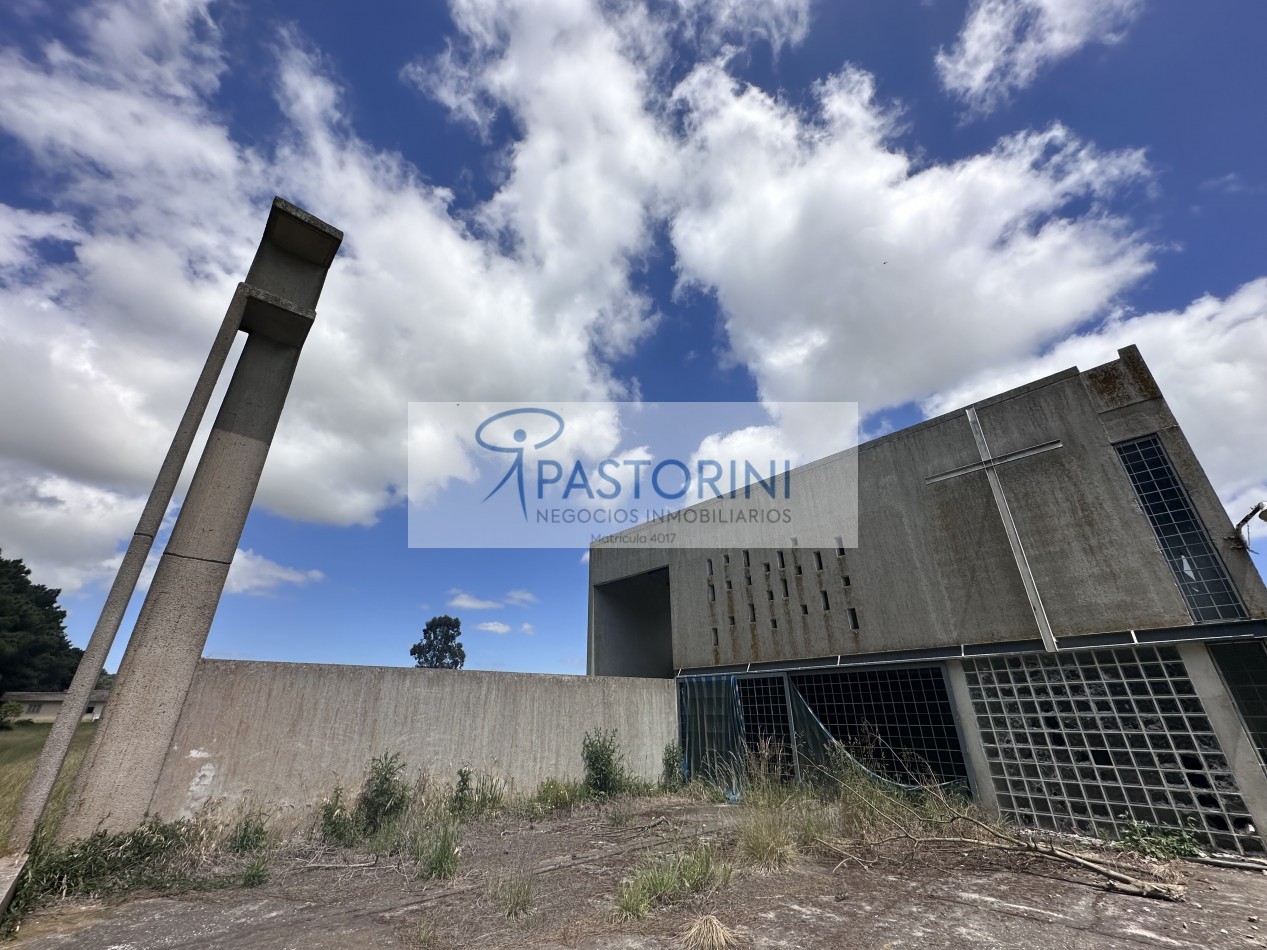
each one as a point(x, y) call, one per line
point(439, 647)
point(34, 651)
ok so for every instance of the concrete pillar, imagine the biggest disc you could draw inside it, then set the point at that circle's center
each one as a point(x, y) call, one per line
point(53, 754)
point(122, 768)
point(1237, 745)
point(970, 735)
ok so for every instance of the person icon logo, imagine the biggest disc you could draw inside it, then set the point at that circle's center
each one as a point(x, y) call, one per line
point(492, 434)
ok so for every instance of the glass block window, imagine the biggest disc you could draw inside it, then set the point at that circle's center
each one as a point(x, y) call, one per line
point(1086, 741)
point(1198, 570)
point(1243, 666)
point(900, 718)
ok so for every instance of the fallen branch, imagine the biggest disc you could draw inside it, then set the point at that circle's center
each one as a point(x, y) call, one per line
point(337, 867)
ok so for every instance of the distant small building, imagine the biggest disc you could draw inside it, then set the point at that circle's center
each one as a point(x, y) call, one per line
point(44, 707)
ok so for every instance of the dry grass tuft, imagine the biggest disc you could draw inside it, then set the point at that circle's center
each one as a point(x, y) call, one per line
point(708, 933)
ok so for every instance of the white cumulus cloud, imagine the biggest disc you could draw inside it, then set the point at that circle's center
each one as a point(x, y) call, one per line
point(251, 573)
point(461, 600)
point(1005, 44)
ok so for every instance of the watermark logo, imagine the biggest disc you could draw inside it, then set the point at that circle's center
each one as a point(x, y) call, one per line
point(489, 429)
point(631, 474)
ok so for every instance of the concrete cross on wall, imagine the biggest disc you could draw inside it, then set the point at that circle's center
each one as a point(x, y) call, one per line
point(989, 464)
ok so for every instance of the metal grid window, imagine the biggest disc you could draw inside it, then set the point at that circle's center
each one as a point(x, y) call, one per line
point(767, 725)
point(1244, 670)
point(1198, 570)
point(901, 719)
point(1086, 741)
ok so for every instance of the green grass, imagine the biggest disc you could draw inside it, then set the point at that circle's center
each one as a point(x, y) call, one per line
point(671, 878)
point(19, 751)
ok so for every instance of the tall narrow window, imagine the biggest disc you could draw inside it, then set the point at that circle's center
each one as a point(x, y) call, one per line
point(732, 620)
point(784, 587)
point(853, 619)
point(747, 562)
point(769, 595)
point(712, 592)
point(729, 584)
point(1196, 565)
point(798, 569)
point(840, 546)
point(714, 636)
point(767, 567)
point(826, 602)
point(845, 580)
point(779, 557)
point(752, 613)
point(773, 624)
point(818, 560)
point(710, 567)
point(804, 608)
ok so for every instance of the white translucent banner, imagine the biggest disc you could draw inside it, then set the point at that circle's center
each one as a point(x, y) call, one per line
point(568, 475)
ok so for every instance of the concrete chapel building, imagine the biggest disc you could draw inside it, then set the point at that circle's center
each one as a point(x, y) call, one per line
point(1047, 604)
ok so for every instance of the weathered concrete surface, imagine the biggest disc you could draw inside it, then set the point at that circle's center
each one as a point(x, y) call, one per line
point(284, 734)
point(122, 767)
point(933, 566)
point(80, 691)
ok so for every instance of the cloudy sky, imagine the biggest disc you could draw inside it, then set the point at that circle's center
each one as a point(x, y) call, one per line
point(903, 203)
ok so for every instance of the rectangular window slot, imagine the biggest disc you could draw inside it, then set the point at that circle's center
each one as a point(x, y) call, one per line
point(732, 620)
point(826, 602)
point(773, 623)
point(729, 584)
point(840, 546)
point(818, 560)
point(845, 580)
point(712, 592)
point(746, 561)
point(769, 595)
point(784, 582)
point(752, 613)
point(715, 641)
point(853, 617)
point(804, 608)
point(779, 557)
point(710, 567)
point(767, 567)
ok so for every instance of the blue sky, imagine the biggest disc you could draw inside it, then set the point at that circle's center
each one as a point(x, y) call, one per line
point(904, 204)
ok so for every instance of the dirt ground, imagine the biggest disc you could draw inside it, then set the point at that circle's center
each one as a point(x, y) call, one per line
point(321, 902)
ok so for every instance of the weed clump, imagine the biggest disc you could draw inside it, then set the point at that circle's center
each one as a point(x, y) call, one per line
point(338, 821)
point(157, 855)
point(708, 933)
point(1161, 843)
point(474, 799)
point(256, 873)
point(671, 768)
point(670, 878)
point(436, 848)
point(605, 772)
point(384, 795)
point(248, 834)
point(513, 893)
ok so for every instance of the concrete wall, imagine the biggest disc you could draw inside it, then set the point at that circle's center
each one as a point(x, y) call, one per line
point(283, 734)
point(933, 566)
